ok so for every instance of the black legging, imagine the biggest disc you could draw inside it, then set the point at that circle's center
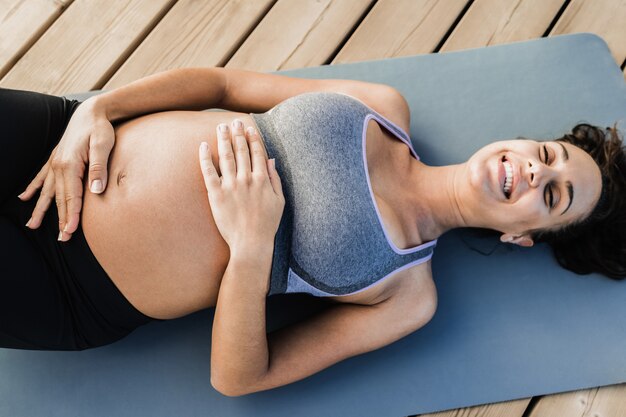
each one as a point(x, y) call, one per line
point(53, 295)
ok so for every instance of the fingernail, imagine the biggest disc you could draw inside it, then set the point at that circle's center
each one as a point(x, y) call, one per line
point(250, 130)
point(237, 123)
point(65, 228)
point(20, 196)
point(273, 163)
point(28, 222)
point(60, 236)
point(204, 147)
point(223, 127)
point(96, 186)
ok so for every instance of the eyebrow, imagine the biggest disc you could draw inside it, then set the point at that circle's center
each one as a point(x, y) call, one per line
point(565, 155)
point(568, 184)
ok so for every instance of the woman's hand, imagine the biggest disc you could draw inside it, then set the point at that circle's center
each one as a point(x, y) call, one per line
point(89, 137)
point(247, 201)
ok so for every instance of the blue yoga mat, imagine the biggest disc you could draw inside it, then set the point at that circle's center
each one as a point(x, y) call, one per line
point(509, 325)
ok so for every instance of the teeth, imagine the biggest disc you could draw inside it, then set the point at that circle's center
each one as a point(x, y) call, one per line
point(508, 181)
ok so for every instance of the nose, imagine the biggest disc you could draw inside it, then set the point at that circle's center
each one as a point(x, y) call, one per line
point(537, 173)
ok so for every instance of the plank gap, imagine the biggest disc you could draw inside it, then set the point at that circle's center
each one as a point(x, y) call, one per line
point(534, 400)
point(129, 51)
point(233, 51)
point(6, 67)
point(349, 35)
point(556, 18)
point(452, 27)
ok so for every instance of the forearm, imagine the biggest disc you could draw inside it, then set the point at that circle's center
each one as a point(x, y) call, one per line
point(178, 89)
point(239, 350)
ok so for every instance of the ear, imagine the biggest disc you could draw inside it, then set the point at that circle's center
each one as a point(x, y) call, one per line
point(521, 240)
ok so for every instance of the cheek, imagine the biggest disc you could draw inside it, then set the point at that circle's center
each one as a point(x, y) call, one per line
point(531, 213)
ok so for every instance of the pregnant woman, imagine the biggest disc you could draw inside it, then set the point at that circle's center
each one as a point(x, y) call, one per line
point(305, 186)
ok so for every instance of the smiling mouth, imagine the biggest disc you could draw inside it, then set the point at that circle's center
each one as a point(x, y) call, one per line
point(507, 187)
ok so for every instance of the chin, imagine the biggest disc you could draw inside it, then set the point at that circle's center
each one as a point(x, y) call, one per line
point(478, 173)
point(482, 170)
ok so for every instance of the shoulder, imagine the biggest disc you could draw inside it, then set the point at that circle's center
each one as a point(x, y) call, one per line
point(382, 98)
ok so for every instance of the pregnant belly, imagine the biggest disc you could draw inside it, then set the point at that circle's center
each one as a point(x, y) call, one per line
point(152, 229)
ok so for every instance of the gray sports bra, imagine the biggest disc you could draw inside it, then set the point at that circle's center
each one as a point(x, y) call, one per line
point(331, 239)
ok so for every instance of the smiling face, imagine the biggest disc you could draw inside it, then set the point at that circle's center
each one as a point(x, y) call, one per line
point(548, 185)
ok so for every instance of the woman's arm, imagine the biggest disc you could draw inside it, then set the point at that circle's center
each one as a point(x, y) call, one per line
point(237, 90)
point(239, 351)
point(89, 137)
point(178, 89)
point(244, 359)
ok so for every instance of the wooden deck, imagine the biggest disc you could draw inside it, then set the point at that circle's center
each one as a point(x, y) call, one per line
point(61, 46)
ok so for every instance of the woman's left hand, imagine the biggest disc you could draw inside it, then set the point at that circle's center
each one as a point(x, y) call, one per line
point(247, 201)
point(88, 138)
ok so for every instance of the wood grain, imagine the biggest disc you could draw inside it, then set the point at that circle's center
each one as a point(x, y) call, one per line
point(492, 22)
point(514, 408)
point(83, 46)
point(605, 18)
point(596, 402)
point(399, 28)
point(193, 33)
point(22, 22)
point(302, 36)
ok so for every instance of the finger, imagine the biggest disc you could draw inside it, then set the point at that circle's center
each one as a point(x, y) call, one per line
point(35, 184)
point(73, 187)
point(46, 196)
point(259, 160)
point(274, 178)
point(61, 205)
point(241, 150)
point(39, 180)
point(212, 181)
point(99, 153)
point(225, 152)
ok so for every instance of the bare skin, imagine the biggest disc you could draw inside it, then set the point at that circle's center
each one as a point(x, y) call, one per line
point(154, 234)
point(161, 206)
point(165, 253)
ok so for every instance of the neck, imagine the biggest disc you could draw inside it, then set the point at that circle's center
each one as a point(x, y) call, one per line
point(434, 204)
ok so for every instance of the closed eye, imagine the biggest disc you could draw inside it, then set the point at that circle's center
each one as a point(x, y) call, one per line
point(551, 198)
point(548, 188)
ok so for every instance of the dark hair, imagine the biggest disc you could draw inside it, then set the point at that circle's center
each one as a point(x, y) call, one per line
point(596, 243)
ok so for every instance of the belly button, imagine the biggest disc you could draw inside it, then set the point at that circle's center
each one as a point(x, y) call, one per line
point(120, 177)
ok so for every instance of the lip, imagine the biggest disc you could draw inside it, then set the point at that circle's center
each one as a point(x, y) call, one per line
point(501, 176)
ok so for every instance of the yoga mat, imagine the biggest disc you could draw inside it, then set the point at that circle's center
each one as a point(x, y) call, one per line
point(509, 325)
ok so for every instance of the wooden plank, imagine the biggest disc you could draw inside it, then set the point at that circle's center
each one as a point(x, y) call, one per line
point(605, 18)
point(492, 22)
point(514, 408)
point(606, 401)
point(193, 33)
point(302, 36)
point(21, 24)
point(83, 46)
point(401, 27)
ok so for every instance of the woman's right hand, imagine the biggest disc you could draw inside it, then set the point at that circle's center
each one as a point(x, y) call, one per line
point(88, 138)
point(247, 201)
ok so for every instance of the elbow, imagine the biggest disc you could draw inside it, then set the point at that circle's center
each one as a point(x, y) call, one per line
point(235, 387)
point(228, 389)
